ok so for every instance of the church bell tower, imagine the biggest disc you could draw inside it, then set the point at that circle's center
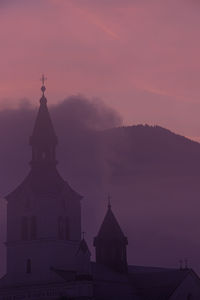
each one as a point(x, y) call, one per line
point(43, 212)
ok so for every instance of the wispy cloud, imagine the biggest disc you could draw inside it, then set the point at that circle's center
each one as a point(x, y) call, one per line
point(87, 14)
point(95, 20)
point(101, 25)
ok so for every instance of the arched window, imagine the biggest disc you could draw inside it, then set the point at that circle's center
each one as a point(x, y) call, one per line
point(28, 266)
point(33, 229)
point(67, 229)
point(60, 228)
point(24, 228)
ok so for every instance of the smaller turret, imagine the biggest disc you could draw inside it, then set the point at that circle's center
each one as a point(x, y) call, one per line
point(110, 244)
point(83, 263)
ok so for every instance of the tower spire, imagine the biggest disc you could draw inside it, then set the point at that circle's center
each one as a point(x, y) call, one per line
point(43, 139)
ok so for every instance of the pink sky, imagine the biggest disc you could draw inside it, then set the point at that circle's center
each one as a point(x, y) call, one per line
point(141, 57)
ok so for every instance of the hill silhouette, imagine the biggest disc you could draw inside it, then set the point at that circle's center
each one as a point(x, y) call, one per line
point(151, 150)
point(152, 174)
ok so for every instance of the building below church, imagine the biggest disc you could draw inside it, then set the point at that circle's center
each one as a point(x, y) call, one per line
point(47, 258)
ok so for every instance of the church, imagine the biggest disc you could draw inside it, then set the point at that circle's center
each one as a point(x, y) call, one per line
point(47, 256)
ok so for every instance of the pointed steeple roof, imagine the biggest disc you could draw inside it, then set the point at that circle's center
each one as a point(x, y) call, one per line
point(110, 228)
point(43, 132)
point(83, 247)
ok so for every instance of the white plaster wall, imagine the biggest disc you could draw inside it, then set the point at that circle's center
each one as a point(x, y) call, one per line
point(44, 254)
point(47, 250)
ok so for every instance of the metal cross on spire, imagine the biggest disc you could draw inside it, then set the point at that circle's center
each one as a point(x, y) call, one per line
point(43, 79)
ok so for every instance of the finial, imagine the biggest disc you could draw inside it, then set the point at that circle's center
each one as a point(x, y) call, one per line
point(43, 100)
point(109, 203)
point(83, 235)
point(43, 88)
